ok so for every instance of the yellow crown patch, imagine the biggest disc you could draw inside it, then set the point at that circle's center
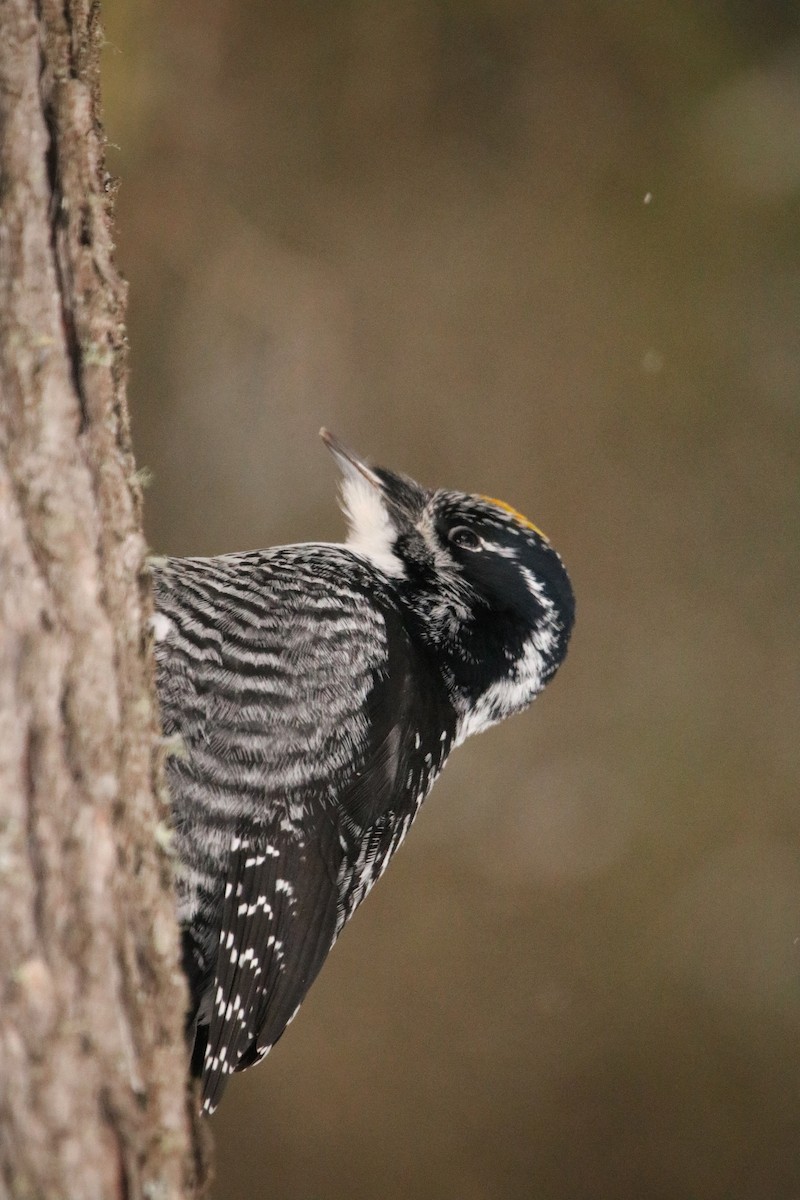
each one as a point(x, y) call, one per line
point(516, 515)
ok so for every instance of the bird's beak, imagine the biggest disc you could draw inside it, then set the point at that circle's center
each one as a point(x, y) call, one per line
point(402, 497)
point(349, 463)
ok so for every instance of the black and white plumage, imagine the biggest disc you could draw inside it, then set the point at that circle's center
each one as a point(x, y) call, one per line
point(316, 691)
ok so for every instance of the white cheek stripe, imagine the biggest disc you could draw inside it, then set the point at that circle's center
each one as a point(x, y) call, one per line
point(506, 696)
point(536, 589)
point(511, 695)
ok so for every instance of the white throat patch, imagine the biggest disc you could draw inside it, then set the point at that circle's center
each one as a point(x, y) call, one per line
point(371, 533)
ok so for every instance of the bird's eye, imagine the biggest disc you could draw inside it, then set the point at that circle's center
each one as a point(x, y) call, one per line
point(466, 538)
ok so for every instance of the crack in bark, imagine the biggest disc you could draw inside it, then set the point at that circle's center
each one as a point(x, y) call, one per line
point(47, 89)
point(32, 752)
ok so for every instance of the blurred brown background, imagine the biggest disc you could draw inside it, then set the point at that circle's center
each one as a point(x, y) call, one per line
point(550, 252)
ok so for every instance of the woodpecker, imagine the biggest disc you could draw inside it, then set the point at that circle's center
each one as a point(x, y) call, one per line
point(315, 692)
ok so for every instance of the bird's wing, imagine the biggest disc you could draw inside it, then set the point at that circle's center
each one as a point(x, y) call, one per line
point(296, 721)
point(278, 923)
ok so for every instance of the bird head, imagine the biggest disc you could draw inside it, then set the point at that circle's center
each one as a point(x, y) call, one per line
point(480, 584)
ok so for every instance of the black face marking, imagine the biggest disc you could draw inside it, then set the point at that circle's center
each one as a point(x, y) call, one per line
point(513, 555)
point(465, 538)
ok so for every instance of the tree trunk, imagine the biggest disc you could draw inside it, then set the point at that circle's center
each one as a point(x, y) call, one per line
point(93, 1095)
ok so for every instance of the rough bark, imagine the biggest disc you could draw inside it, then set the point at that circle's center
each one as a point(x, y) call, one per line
point(93, 1099)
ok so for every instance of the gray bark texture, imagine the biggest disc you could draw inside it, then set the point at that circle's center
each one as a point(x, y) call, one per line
point(93, 1096)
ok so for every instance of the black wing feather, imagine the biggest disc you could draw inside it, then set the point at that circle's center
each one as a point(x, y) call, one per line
point(312, 932)
point(278, 923)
